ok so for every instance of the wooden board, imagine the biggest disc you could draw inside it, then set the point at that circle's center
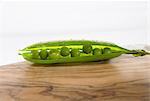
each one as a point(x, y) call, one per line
point(125, 78)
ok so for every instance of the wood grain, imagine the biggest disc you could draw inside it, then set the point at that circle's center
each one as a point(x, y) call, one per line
point(125, 78)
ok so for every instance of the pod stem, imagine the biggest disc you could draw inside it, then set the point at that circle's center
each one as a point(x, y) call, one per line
point(138, 52)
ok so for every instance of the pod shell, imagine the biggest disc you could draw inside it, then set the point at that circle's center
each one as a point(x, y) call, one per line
point(69, 43)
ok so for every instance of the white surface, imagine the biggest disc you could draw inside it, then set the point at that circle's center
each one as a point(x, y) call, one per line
point(69, 17)
point(25, 23)
point(148, 20)
point(66, 0)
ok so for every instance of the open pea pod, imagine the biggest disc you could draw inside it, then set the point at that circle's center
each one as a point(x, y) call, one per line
point(74, 51)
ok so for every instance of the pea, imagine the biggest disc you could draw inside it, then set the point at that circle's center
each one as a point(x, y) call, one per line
point(75, 52)
point(35, 54)
point(53, 54)
point(97, 51)
point(43, 54)
point(64, 51)
point(87, 48)
point(107, 51)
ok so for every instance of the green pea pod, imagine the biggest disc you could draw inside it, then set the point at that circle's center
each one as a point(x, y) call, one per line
point(74, 51)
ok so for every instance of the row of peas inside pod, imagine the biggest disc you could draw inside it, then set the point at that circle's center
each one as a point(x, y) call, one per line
point(65, 51)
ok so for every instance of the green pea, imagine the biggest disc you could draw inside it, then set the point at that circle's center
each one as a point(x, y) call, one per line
point(35, 54)
point(64, 51)
point(97, 51)
point(53, 54)
point(87, 48)
point(107, 51)
point(43, 54)
point(75, 52)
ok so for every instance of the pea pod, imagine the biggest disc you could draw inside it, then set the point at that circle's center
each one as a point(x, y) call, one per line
point(74, 51)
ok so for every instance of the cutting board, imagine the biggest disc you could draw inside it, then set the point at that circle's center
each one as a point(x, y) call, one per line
point(125, 78)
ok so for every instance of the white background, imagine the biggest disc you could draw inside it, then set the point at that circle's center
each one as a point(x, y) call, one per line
point(23, 23)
